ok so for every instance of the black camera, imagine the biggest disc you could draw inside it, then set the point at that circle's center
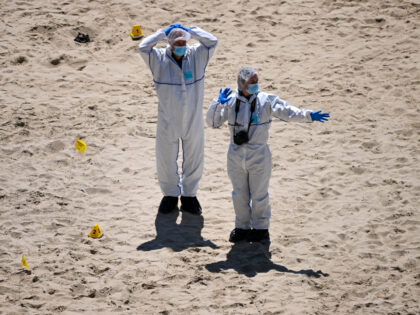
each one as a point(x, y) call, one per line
point(241, 137)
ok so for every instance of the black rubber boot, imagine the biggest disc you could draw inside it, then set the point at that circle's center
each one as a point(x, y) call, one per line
point(191, 205)
point(258, 235)
point(168, 204)
point(238, 235)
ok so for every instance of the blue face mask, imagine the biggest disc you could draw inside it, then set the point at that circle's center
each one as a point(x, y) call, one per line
point(252, 88)
point(180, 50)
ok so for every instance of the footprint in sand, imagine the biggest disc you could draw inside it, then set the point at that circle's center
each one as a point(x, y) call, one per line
point(371, 146)
point(56, 146)
point(357, 170)
point(56, 61)
point(94, 190)
point(20, 60)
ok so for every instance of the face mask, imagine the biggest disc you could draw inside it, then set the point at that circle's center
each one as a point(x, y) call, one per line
point(252, 88)
point(180, 50)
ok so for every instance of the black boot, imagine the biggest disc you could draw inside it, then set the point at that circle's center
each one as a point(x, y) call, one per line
point(191, 205)
point(168, 204)
point(238, 235)
point(258, 235)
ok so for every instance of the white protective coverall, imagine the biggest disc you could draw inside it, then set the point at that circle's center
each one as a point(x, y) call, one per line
point(180, 92)
point(249, 165)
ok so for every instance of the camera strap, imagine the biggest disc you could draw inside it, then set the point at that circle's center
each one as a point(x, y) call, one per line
point(238, 104)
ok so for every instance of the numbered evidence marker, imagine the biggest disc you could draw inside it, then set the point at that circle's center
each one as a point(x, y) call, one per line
point(23, 262)
point(96, 232)
point(136, 33)
point(80, 146)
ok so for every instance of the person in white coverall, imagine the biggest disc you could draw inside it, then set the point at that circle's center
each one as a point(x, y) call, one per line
point(178, 74)
point(249, 114)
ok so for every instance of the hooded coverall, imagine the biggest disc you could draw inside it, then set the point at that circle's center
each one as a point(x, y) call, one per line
point(249, 165)
point(180, 91)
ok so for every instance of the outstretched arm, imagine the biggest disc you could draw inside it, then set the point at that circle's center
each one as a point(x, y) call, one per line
point(218, 110)
point(284, 111)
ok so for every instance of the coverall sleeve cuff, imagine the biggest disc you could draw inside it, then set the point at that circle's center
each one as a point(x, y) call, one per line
point(308, 116)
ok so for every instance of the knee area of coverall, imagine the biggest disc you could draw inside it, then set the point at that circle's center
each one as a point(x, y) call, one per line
point(257, 200)
point(240, 190)
point(193, 154)
point(192, 166)
point(261, 211)
point(167, 154)
point(240, 200)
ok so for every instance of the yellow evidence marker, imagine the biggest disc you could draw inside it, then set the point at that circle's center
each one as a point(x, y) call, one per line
point(136, 33)
point(80, 146)
point(96, 232)
point(23, 262)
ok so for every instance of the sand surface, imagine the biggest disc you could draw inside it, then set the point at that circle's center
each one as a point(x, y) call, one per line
point(345, 195)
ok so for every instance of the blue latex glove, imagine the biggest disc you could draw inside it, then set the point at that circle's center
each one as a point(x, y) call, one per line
point(184, 28)
point(172, 26)
point(224, 95)
point(319, 116)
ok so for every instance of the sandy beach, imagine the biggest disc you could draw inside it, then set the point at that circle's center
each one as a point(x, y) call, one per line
point(345, 195)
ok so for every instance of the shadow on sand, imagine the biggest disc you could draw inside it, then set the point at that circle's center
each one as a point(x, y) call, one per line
point(252, 258)
point(180, 236)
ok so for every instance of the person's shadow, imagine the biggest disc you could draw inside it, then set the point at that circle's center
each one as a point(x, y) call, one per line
point(180, 236)
point(252, 258)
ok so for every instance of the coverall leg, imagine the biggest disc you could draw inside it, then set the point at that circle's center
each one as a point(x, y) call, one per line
point(167, 166)
point(259, 178)
point(193, 160)
point(240, 193)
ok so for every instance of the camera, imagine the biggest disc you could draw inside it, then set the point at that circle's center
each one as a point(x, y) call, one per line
point(241, 137)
